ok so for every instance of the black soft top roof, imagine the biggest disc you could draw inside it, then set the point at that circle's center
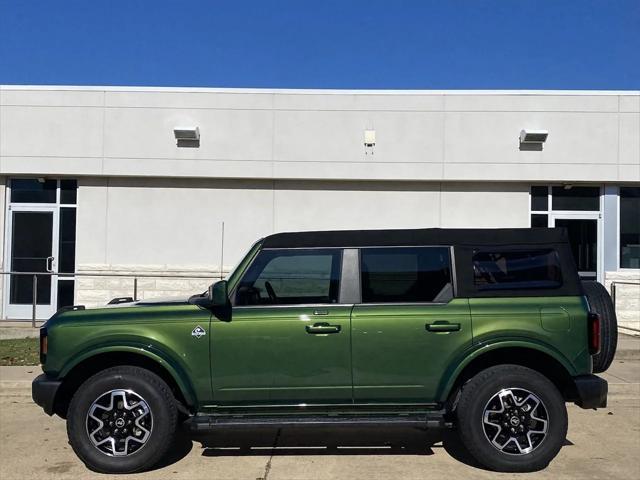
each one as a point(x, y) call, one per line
point(414, 237)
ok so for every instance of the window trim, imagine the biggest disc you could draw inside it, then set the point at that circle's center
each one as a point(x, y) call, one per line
point(452, 271)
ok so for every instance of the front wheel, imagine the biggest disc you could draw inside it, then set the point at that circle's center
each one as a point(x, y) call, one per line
point(512, 419)
point(122, 420)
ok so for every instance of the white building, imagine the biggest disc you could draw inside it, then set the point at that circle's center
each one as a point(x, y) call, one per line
point(276, 160)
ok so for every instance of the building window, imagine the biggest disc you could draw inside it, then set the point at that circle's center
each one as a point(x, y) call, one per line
point(575, 198)
point(576, 209)
point(41, 232)
point(629, 227)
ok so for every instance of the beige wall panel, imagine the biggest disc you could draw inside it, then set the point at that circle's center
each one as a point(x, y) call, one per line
point(629, 103)
point(71, 166)
point(224, 134)
point(178, 222)
point(339, 136)
point(630, 139)
point(195, 100)
point(52, 98)
point(358, 170)
point(355, 205)
point(531, 103)
point(50, 131)
point(467, 205)
point(494, 138)
point(91, 224)
point(533, 172)
point(340, 102)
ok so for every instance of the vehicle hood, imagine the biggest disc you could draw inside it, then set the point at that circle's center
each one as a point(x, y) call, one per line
point(156, 309)
point(150, 302)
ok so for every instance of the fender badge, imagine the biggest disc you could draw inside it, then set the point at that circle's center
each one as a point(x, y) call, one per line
point(198, 332)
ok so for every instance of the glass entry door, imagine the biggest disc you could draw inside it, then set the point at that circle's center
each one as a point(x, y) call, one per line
point(32, 244)
point(583, 236)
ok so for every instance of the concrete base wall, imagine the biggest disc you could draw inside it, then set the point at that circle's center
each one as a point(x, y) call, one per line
point(627, 298)
point(151, 281)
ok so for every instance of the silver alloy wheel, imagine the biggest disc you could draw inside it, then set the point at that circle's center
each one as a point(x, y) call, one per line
point(515, 421)
point(119, 422)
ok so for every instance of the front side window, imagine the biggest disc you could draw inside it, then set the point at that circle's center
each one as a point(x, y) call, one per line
point(629, 227)
point(291, 277)
point(405, 274)
point(516, 269)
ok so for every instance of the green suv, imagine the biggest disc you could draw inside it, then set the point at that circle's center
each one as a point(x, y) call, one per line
point(486, 331)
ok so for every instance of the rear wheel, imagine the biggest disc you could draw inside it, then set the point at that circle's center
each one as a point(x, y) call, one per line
point(511, 419)
point(122, 420)
point(600, 302)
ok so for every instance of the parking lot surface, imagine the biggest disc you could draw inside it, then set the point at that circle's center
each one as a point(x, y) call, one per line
point(601, 444)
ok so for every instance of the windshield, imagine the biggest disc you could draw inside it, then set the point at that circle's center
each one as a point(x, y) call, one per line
point(236, 270)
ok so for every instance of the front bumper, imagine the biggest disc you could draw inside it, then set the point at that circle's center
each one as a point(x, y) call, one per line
point(43, 392)
point(591, 391)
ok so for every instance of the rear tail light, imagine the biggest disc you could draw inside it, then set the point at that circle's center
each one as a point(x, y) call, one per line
point(594, 333)
point(44, 345)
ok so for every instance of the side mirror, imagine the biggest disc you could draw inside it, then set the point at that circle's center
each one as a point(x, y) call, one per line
point(218, 294)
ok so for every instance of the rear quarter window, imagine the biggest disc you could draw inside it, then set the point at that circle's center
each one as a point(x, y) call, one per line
point(516, 269)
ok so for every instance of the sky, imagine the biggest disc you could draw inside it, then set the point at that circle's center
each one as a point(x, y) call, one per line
point(343, 44)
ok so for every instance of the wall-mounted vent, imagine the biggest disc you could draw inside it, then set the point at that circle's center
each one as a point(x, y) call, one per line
point(533, 136)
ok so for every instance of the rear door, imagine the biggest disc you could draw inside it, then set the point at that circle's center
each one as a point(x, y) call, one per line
point(408, 328)
point(289, 338)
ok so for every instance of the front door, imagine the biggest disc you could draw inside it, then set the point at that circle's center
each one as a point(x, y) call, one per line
point(408, 328)
point(289, 339)
point(32, 241)
point(583, 230)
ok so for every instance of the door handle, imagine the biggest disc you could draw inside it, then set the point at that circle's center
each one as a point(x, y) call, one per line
point(442, 327)
point(323, 327)
point(49, 265)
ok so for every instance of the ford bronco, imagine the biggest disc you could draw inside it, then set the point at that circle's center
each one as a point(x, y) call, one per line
point(488, 331)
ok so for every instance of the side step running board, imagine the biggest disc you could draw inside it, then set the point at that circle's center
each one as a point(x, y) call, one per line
point(211, 422)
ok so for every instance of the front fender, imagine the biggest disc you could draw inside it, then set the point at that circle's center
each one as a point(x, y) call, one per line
point(147, 350)
point(478, 350)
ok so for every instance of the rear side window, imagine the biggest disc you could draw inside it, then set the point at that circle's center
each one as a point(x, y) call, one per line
point(516, 269)
point(291, 277)
point(406, 274)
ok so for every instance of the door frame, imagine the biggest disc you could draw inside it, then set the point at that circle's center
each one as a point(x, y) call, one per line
point(22, 312)
point(577, 215)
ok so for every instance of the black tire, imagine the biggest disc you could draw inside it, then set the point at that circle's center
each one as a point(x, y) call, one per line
point(161, 419)
point(600, 302)
point(476, 397)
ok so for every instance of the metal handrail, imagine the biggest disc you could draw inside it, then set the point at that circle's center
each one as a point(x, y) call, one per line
point(613, 297)
point(135, 277)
